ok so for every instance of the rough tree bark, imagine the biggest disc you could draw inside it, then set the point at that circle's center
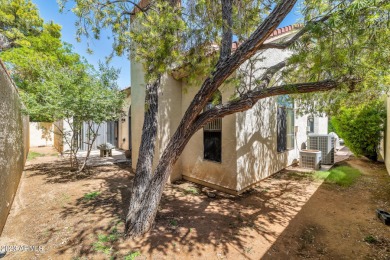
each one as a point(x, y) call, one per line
point(141, 216)
point(146, 151)
point(90, 142)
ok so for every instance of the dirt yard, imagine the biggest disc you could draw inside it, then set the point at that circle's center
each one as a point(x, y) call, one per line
point(287, 216)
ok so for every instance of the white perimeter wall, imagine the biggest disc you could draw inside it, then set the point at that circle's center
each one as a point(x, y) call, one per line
point(41, 134)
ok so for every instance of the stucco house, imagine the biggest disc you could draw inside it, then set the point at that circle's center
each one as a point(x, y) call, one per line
point(238, 151)
point(114, 132)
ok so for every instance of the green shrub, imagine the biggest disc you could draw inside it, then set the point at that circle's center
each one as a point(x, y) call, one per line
point(361, 127)
point(331, 127)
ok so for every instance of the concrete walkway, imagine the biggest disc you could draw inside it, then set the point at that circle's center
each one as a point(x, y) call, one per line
point(342, 154)
point(118, 156)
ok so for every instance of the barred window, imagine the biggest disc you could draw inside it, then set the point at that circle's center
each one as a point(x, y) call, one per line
point(212, 133)
point(285, 124)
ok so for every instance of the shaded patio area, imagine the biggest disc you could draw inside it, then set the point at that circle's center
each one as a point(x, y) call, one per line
point(118, 156)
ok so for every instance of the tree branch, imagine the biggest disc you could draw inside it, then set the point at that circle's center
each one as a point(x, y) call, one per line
point(227, 23)
point(133, 12)
point(225, 68)
point(269, 73)
point(249, 100)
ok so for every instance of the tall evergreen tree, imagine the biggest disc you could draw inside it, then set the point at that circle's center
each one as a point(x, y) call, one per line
point(342, 47)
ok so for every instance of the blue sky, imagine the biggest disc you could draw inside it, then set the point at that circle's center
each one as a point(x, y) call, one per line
point(50, 12)
point(102, 48)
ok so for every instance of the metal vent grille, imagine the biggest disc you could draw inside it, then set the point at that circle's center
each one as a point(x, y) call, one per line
point(310, 159)
point(309, 162)
point(215, 125)
point(325, 144)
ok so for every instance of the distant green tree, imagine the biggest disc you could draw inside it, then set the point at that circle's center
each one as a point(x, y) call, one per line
point(54, 82)
point(33, 48)
point(82, 97)
point(361, 127)
point(18, 20)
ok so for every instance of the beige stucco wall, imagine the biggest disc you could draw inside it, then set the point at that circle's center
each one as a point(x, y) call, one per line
point(41, 134)
point(256, 133)
point(14, 143)
point(197, 169)
point(257, 155)
point(137, 108)
point(123, 125)
point(168, 118)
point(386, 153)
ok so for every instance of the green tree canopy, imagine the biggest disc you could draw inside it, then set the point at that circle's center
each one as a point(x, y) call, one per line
point(49, 75)
point(341, 47)
point(18, 20)
point(341, 40)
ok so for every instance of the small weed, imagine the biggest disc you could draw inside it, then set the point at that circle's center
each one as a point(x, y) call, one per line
point(132, 255)
point(33, 155)
point(173, 222)
point(370, 239)
point(104, 243)
point(192, 190)
point(102, 247)
point(91, 195)
point(343, 176)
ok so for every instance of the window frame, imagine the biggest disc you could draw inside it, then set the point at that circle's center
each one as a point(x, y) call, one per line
point(310, 124)
point(214, 126)
point(287, 106)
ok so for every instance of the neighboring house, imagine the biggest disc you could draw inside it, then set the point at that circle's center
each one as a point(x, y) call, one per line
point(233, 153)
point(107, 133)
point(113, 132)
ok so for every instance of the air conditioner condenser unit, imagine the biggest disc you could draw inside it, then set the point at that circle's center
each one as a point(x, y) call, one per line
point(324, 143)
point(310, 159)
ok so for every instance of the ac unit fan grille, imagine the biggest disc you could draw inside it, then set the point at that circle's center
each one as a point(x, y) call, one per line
point(325, 145)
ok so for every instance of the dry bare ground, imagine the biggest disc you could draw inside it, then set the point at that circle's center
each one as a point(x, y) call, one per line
point(287, 216)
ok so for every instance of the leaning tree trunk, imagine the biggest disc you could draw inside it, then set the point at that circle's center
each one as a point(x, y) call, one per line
point(90, 143)
point(141, 219)
point(148, 190)
point(146, 151)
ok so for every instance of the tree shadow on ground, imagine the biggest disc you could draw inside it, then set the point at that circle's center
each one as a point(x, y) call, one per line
point(188, 219)
point(336, 221)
